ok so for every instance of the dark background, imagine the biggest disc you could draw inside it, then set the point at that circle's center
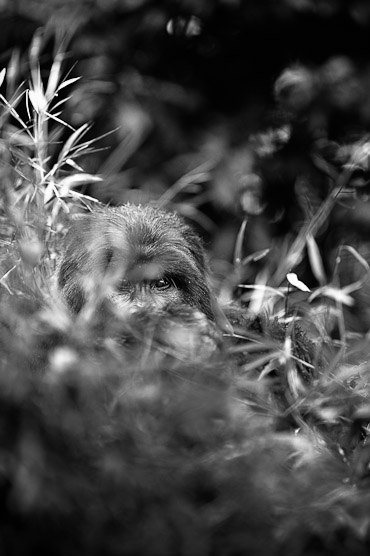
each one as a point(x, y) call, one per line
point(252, 109)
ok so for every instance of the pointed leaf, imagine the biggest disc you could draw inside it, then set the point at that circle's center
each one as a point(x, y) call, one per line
point(54, 77)
point(68, 82)
point(38, 100)
point(2, 76)
point(75, 180)
point(294, 281)
point(72, 140)
point(239, 243)
point(315, 259)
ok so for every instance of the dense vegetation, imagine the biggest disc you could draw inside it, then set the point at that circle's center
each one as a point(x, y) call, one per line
point(156, 434)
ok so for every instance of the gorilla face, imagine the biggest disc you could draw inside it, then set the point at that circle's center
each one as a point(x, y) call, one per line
point(136, 257)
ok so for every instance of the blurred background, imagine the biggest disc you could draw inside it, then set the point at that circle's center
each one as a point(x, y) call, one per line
point(227, 111)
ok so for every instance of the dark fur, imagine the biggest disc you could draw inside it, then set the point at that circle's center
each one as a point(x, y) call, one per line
point(129, 242)
point(138, 242)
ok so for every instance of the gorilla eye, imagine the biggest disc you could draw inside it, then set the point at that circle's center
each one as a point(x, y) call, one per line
point(124, 286)
point(162, 284)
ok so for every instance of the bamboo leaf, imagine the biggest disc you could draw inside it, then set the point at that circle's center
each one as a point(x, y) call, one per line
point(315, 259)
point(67, 83)
point(72, 140)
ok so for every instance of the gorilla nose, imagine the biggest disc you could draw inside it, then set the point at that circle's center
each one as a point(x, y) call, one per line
point(140, 296)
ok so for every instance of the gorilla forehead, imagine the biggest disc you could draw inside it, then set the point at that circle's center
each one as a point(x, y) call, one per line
point(137, 234)
point(141, 242)
point(146, 230)
point(133, 216)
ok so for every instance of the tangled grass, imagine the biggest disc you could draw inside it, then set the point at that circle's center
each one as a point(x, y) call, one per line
point(154, 434)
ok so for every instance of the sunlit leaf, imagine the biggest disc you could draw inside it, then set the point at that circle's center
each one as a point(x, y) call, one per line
point(55, 117)
point(2, 76)
point(269, 368)
point(267, 290)
point(76, 180)
point(294, 281)
point(54, 77)
point(68, 82)
point(295, 382)
point(315, 259)
point(74, 165)
point(76, 135)
point(337, 294)
point(15, 114)
point(50, 192)
point(38, 100)
point(257, 256)
point(238, 254)
point(4, 277)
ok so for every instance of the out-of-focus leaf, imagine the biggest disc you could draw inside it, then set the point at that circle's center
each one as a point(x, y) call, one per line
point(337, 294)
point(2, 76)
point(315, 260)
